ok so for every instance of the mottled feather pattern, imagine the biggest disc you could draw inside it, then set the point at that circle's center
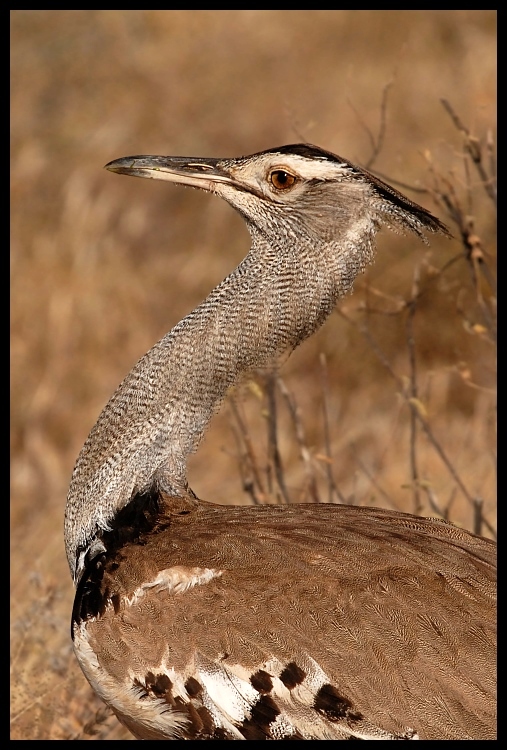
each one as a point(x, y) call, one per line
point(257, 629)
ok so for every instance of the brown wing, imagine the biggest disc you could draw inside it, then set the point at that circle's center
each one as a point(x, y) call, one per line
point(312, 621)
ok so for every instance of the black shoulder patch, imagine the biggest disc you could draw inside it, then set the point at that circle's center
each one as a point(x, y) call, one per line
point(129, 526)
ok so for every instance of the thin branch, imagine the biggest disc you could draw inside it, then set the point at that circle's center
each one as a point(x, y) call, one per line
point(414, 471)
point(304, 451)
point(376, 143)
point(433, 501)
point(247, 458)
point(333, 489)
point(473, 148)
point(371, 477)
point(478, 515)
point(414, 407)
point(275, 458)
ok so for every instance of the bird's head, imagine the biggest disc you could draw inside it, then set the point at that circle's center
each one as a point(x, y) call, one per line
point(298, 191)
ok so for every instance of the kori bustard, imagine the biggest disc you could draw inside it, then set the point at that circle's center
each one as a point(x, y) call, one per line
point(197, 621)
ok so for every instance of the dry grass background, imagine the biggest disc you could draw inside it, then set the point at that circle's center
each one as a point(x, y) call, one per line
point(102, 266)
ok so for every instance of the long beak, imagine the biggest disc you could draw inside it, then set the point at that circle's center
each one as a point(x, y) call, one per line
point(195, 172)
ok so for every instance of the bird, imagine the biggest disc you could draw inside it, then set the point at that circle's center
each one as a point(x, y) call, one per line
point(195, 620)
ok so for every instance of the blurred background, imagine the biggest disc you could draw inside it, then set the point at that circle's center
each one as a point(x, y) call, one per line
point(392, 403)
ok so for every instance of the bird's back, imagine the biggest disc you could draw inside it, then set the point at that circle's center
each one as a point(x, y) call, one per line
point(311, 621)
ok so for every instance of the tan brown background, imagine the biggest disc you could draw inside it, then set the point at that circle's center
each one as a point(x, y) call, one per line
point(102, 266)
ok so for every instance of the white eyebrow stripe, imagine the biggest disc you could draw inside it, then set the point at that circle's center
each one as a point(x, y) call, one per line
point(317, 170)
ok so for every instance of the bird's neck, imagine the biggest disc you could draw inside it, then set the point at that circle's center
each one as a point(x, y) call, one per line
point(272, 301)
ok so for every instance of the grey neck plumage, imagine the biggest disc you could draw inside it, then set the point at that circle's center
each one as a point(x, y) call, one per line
point(275, 298)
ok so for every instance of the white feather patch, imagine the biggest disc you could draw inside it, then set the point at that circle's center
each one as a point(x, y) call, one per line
point(232, 695)
point(175, 580)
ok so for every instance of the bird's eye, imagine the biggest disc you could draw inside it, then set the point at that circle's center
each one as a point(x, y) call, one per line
point(281, 180)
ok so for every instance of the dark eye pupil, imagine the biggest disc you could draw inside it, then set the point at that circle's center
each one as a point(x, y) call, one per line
point(281, 179)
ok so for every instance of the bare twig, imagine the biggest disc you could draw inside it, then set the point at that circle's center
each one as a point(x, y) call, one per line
point(250, 474)
point(474, 252)
point(376, 143)
point(473, 148)
point(415, 408)
point(414, 471)
point(379, 143)
point(371, 477)
point(304, 451)
point(478, 515)
point(433, 501)
point(273, 451)
point(333, 489)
